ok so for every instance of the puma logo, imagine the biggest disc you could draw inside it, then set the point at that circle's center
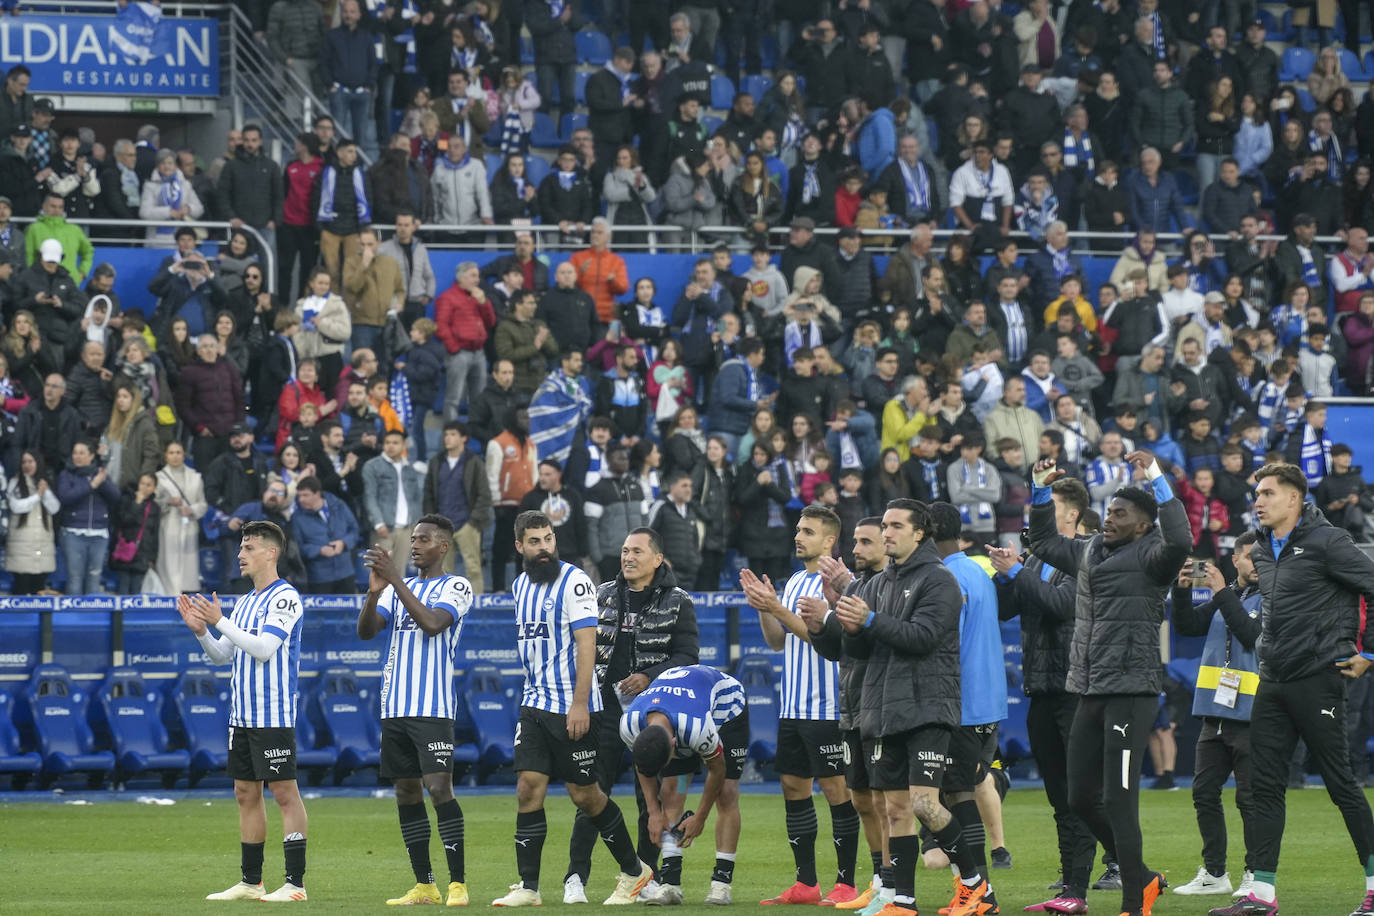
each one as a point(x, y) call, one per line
point(794, 840)
point(1297, 552)
point(276, 769)
point(522, 843)
point(892, 860)
point(1329, 712)
point(452, 847)
point(930, 774)
point(1121, 728)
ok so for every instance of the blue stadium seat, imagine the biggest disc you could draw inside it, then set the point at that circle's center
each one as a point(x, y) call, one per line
point(580, 86)
point(755, 85)
point(573, 120)
point(352, 728)
point(492, 716)
point(1351, 67)
point(1305, 100)
point(201, 701)
point(1287, 31)
point(1187, 187)
point(65, 741)
point(592, 47)
point(755, 673)
point(312, 755)
point(493, 162)
point(1272, 30)
point(1295, 64)
point(20, 764)
point(545, 132)
point(133, 713)
point(711, 123)
point(933, 129)
point(537, 167)
point(526, 50)
point(722, 92)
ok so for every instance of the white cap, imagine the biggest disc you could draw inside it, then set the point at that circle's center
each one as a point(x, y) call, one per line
point(51, 250)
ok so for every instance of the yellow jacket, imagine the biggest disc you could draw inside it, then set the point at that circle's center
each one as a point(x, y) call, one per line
point(899, 428)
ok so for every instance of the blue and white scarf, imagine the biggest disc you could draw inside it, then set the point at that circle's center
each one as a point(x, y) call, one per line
point(917, 186)
point(623, 78)
point(1158, 38)
point(811, 182)
point(555, 8)
point(566, 180)
point(1062, 265)
point(482, 32)
point(128, 185)
point(935, 481)
point(463, 58)
point(170, 194)
point(399, 395)
point(513, 137)
point(792, 133)
point(1316, 454)
point(559, 408)
point(458, 166)
point(980, 474)
point(1018, 337)
point(1078, 152)
point(1101, 471)
point(755, 389)
point(1268, 400)
point(1331, 149)
point(5, 235)
point(326, 212)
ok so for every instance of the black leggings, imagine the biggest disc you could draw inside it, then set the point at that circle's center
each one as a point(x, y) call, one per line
point(1106, 747)
point(1049, 723)
point(1312, 708)
point(29, 583)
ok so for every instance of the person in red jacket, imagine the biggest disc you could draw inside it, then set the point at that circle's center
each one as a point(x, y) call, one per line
point(1207, 514)
point(303, 389)
point(298, 240)
point(465, 318)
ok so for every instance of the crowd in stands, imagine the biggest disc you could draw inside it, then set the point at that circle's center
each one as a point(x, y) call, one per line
point(139, 426)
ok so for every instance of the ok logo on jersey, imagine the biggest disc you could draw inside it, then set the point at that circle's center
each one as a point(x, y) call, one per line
point(533, 630)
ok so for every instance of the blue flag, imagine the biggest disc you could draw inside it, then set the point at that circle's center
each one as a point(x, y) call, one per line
point(140, 34)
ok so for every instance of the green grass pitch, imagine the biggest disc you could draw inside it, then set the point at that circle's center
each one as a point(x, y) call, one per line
point(128, 858)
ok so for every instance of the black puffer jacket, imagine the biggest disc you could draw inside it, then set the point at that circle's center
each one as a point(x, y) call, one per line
point(1311, 598)
point(1046, 607)
point(913, 644)
point(829, 644)
point(1120, 602)
point(665, 632)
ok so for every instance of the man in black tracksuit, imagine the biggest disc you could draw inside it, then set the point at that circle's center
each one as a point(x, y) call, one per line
point(1223, 700)
point(1123, 576)
point(827, 638)
point(1044, 598)
point(1311, 575)
point(645, 625)
point(905, 623)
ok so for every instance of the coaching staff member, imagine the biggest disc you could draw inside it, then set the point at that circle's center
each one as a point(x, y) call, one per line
point(645, 625)
point(1311, 577)
point(1123, 577)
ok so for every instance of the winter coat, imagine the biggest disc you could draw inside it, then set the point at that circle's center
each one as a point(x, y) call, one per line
point(912, 647)
point(731, 409)
point(463, 322)
point(614, 507)
point(711, 493)
point(756, 538)
point(1156, 272)
point(515, 342)
point(1120, 599)
point(151, 207)
point(460, 192)
point(476, 488)
point(30, 547)
point(665, 631)
point(601, 275)
point(333, 327)
point(1046, 608)
point(424, 371)
point(229, 485)
point(682, 537)
point(400, 183)
point(508, 205)
point(681, 207)
point(57, 325)
point(571, 316)
point(575, 204)
point(1162, 117)
point(1155, 206)
point(209, 396)
point(84, 506)
point(627, 204)
point(553, 39)
point(142, 449)
point(379, 490)
point(313, 530)
point(250, 189)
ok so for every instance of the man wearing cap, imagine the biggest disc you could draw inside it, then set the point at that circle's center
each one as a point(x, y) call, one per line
point(236, 477)
point(76, 251)
point(48, 290)
point(17, 174)
point(805, 250)
point(1259, 64)
point(16, 105)
point(1209, 327)
point(1300, 258)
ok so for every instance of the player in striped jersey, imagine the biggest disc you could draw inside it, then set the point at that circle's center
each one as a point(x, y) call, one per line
point(424, 616)
point(262, 639)
point(690, 714)
point(555, 631)
point(810, 746)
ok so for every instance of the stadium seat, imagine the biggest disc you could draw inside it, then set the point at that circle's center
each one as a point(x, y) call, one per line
point(1272, 30)
point(711, 123)
point(573, 120)
point(314, 758)
point(352, 727)
point(201, 701)
point(1295, 64)
point(1305, 100)
point(592, 47)
point(493, 162)
point(21, 765)
point(491, 716)
point(526, 50)
point(65, 742)
point(537, 168)
point(1351, 67)
point(544, 133)
point(755, 673)
point(133, 713)
point(755, 85)
point(722, 92)
point(1187, 187)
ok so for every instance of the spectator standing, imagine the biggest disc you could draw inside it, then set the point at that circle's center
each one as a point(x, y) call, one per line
point(1153, 197)
point(393, 494)
point(121, 190)
point(17, 174)
point(1162, 116)
point(181, 500)
point(566, 197)
point(513, 195)
point(1228, 200)
point(462, 112)
point(459, 187)
point(569, 312)
point(981, 196)
point(348, 72)
point(295, 34)
point(689, 199)
point(30, 551)
point(457, 487)
point(601, 273)
point(1217, 120)
point(1258, 62)
point(78, 255)
point(16, 103)
point(527, 343)
point(325, 325)
point(488, 411)
point(88, 390)
point(236, 477)
point(50, 294)
point(88, 496)
point(250, 188)
point(1300, 259)
point(342, 206)
point(680, 525)
point(464, 318)
point(327, 532)
point(169, 198)
point(417, 274)
point(209, 398)
point(376, 289)
point(553, 25)
point(512, 466)
point(611, 104)
point(298, 239)
point(423, 368)
point(569, 518)
point(400, 183)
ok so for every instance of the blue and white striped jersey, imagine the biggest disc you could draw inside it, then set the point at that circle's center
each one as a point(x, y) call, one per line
point(546, 616)
point(264, 693)
point(418, 677)
point(810, 684)
point(697, 699)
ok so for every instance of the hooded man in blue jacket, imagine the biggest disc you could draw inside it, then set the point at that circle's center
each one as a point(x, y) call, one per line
point(736, 393)
point(327, 533)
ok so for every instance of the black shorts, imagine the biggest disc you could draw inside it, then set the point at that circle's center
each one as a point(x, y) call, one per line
point(734, 741)
point(811, 748)
point(415, 746)
point(971, 752)
point(912, 758)
point(856, 774)
point(542, 745)
point(262, 754)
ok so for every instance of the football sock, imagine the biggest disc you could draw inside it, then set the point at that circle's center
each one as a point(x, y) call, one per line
point(530, 830)
point(844, 822)
point(974, 837)
point(903, 852)
point(725, 867)
point(877, 859)
point(671, 872)
point(450, 818)
point(293, 848)
point(950, 839)
point(250, 854)
point(801, 835)
point(1264, 886)
point(415, 834)
point(610, 823)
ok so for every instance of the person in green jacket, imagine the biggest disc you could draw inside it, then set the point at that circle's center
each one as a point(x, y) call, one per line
point(78, 254)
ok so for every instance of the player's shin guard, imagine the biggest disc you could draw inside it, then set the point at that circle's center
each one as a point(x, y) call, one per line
point(530, 830)
point(293, 848)
point(801, 835)
point(415, 834)
point(610, 823)
point(903, 852)
point(450, 818)
point(250, 857)
point(725, 868)
point(844, 822)
point(950, 838)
